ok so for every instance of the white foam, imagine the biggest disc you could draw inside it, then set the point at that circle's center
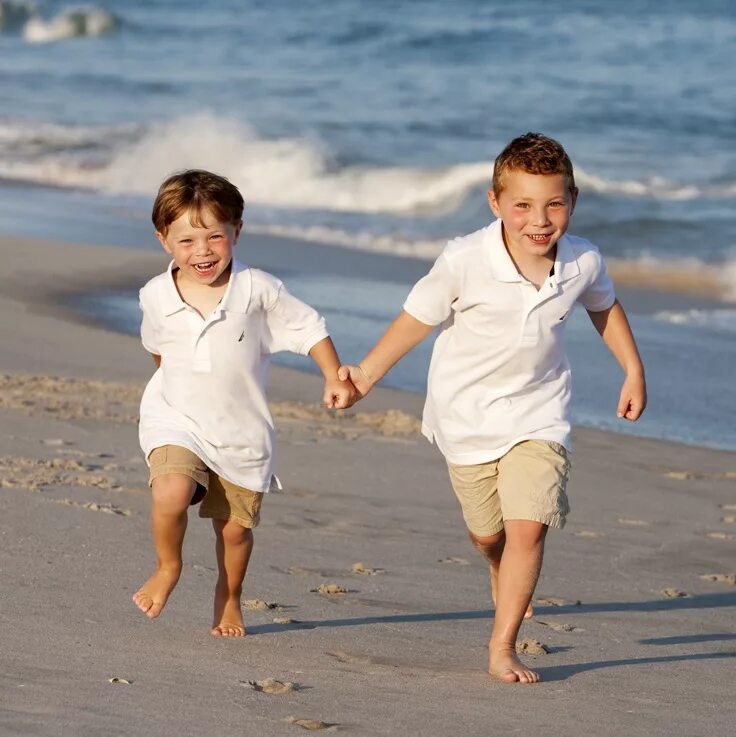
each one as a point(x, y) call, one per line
point(285, 173)
point(360, 241)
point(716, 319)
point(71, 23)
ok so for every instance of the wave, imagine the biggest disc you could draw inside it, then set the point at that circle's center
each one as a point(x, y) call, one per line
point(285, 173)
point(73, 22)
point(722, 320)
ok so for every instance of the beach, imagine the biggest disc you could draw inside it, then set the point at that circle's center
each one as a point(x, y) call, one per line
point(633, 623)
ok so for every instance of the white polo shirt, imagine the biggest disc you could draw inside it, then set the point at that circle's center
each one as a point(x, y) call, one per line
point(209, 393)
point(499, 373)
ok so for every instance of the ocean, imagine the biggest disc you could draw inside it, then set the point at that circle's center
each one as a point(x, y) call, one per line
point(373, 126)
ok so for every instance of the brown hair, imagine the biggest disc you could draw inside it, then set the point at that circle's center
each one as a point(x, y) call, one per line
point(196, 190)
point(533, 153)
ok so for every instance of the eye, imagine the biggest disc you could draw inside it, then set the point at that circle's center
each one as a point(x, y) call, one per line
point(216, 236)
point(522, 205)
point(556, 204)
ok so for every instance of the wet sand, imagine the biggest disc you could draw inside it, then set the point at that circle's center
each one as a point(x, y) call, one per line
point(633, 628)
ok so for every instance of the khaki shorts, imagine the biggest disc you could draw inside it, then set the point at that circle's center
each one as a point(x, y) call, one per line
point(527, 483)
point(220, 498)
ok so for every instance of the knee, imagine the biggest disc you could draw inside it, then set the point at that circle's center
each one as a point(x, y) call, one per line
point(487, 544)
point(235, 534)
point(172, 493)
point(526, 533)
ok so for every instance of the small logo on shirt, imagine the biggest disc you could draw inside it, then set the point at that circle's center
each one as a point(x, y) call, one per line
point(242, 335)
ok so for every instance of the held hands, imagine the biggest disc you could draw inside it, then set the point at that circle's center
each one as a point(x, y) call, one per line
point(633, 398)
point(358, 377)
point(339, 394)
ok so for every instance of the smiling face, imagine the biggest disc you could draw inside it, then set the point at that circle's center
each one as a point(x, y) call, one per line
point(535, 210)
point(202, 254)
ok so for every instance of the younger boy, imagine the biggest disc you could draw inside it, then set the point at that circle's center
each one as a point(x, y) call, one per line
point(498, 390)
point(211, 325)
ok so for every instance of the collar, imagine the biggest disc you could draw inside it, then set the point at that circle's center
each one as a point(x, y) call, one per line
point(503, 268)
point(235, 299)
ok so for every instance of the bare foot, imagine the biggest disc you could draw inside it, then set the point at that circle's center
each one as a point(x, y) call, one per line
point(504, 665)
point(228, 620)
point(528, 614)
point(152, 596)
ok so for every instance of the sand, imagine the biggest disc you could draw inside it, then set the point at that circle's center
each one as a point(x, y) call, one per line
point(374, 609)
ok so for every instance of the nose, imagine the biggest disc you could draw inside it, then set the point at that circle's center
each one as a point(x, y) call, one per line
point(540, 217)
point(202, 246)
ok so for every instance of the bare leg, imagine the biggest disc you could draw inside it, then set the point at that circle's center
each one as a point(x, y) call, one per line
point(234, 546)
point(521, 563)
point(171, 495)
point(491, 548)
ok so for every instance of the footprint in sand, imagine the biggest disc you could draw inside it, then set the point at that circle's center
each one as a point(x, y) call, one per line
point(285, 620)
point(343, 657)
point(729, 507)
point(271, 686)
point(671, 593)
point(531, 647)
point(588, 533)
point(309, 723)
point(457, 561)
point(729, 519)
point(330, 589)
point(260, 604)
point(719, 536)
point(118, 679)
point(729, 578)
point(553, 601)
point(364, 570)
point(561, 626)
point(633, 522)
point(95, 507)
point(690, 475)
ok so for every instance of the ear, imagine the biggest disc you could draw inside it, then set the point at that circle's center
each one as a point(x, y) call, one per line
point(162, 240)
point(493, 203)
point(238, 229)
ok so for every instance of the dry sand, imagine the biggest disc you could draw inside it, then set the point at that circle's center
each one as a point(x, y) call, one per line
point(635, 608)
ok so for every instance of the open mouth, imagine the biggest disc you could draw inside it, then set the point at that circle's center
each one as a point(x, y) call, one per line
point(540, 238)
point(205, 267)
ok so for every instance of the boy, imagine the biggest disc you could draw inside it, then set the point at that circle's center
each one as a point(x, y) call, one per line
point(499, 382)
point(211, 325)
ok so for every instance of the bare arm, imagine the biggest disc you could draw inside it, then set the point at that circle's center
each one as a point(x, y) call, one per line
point(338, 393)
point(404, 333)
point(614, 328)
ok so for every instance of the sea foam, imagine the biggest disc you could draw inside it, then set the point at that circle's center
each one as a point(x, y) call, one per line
point(71, 23)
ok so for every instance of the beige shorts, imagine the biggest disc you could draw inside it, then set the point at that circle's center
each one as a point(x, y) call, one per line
point(527, 483)
point(220, 498)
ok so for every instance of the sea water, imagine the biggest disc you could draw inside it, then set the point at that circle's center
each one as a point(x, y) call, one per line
point(373, 126)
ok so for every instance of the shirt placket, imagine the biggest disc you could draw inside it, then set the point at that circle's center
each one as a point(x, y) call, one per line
point(533, 300)
point(201, 354)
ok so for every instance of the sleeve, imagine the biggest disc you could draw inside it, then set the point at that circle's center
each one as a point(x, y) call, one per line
point(148, 330)
point(430, 300)
point(292, 325)
point(600, 294)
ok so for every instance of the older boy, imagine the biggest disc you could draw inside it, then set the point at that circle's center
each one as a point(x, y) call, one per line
point(499, 382)
point(211, 325)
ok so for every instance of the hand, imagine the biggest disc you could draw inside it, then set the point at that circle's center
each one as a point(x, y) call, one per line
point(633, 398)
point(339, 394)
point(358, 377)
